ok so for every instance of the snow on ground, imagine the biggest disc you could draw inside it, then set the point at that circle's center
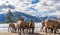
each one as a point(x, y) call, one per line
point(4, 27)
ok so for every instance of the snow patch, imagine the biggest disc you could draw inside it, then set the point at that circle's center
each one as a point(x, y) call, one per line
point(4, 27)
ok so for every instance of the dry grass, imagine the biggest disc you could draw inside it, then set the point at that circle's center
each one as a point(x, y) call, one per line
point(36, 33)
point(8, 33)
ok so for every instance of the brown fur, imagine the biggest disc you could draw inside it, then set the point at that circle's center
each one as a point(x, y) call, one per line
point(18, 25)
point(21, 26)
point(32, 25)
point(11, 25)
point(52, 24)
point(28, 26)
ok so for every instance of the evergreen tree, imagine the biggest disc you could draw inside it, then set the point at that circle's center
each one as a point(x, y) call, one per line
point(10, 17)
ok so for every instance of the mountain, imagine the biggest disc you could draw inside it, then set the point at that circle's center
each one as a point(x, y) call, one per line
point(2, 17)
point(26, 17)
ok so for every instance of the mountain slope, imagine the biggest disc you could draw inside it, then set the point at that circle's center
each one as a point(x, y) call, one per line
point(26, 17)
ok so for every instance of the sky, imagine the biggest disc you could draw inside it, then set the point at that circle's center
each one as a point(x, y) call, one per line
point(31, 7)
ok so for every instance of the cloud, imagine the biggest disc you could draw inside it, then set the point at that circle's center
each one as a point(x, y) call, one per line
point(11, 6)
point(3, 11)
point(57, 14)
point(19, 5)
point(48, 6)
point(4, 6)
point(56, 1)
point(30, 6)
